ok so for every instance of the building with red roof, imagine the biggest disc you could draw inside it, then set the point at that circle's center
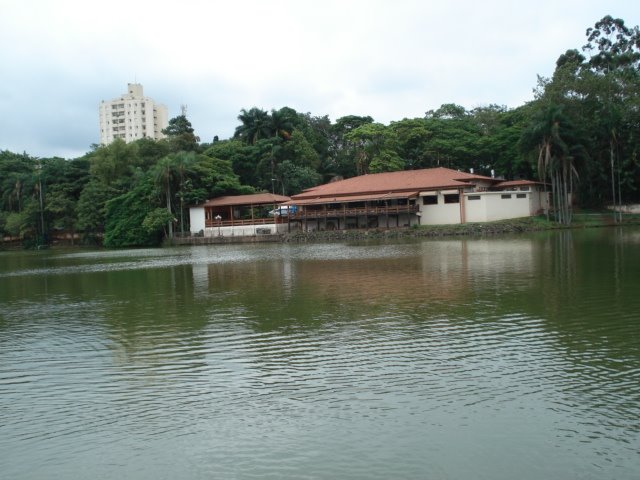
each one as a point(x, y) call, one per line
point(239, 215)
point(414, 197)
point(430, 196)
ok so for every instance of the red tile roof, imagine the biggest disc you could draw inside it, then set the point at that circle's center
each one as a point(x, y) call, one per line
point(352, 198)
point(253, 199)
point(383, 183)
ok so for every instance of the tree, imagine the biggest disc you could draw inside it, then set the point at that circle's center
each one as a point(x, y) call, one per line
point(614, 45)
point(115, 164)
point(615, 59)
point(180, 135)
point(299, 151)
point(255, 124)
point(125, 216)
point(368, 141)
point(554, 138)
point(165, 177)
point(282, 122)
point(156, 221)
point(413, 141)
point(92, 210)
point(241, 157)
point(499, 149)
point(150, 151)
point(341, 161)
point(64, 181)
point(448, 111)
point(454, 141)
point(17, 179)
point(386, 161)
point(214, 177)
point(294, 178)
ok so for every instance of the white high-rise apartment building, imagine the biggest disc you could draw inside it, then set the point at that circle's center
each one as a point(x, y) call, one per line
point(132, 116)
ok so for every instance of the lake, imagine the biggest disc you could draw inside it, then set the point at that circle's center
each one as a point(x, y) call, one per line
point(460, 358)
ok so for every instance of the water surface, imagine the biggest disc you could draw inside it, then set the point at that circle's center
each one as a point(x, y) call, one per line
point(496, 358)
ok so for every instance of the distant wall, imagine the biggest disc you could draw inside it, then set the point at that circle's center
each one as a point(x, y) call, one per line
point(625, 208)
point(246, 230)
point(505, 205)
point(196, 218)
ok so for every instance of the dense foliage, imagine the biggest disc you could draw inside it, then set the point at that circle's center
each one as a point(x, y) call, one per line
point(579, 135)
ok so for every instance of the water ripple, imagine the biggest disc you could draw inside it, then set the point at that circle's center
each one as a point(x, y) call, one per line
point(317, 362)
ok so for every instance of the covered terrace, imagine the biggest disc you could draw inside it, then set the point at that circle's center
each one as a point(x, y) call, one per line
point(242, 210)
point(237, 215)
point(355, 211)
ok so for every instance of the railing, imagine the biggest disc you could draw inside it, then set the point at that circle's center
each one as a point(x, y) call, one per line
point(354, 212)
point(305, 214)
point(240, 222)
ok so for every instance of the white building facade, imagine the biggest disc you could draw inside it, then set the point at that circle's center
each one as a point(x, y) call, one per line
point(132, 116)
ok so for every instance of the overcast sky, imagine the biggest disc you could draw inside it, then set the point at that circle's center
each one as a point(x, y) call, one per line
point(390, 59)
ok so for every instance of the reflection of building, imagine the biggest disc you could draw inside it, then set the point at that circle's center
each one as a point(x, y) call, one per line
point(132, 116)
point(415, 197)
point(429, 271)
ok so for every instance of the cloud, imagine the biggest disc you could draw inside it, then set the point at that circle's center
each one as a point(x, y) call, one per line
point(386, 59)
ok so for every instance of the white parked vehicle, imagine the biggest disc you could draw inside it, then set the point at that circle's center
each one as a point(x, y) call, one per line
point(283, 211)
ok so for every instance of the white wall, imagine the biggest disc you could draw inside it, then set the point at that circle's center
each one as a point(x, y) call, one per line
point(499, 208)
point(196, 218)
point(475, 210)
point(440, 214)
point(492, 206)
point(246, 230)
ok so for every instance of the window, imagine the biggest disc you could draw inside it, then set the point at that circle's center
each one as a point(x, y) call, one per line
point(430, 200)
point(521, 195)
point(452, 198)
point(505, 196)
point(473, 197)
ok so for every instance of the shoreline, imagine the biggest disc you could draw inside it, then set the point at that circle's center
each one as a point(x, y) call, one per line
point(501, 227)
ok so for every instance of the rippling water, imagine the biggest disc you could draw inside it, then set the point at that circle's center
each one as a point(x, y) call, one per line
point(490, 358)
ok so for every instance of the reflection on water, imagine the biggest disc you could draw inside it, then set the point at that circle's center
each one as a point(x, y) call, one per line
point(463, 358)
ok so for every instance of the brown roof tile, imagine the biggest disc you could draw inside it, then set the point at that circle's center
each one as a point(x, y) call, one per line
point(408, 180)
point(253, 199)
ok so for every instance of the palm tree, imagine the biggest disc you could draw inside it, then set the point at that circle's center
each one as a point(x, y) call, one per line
point(281, 122)
point(554, 138)
point(255, 125)
point(184, 163)
point(165, 176)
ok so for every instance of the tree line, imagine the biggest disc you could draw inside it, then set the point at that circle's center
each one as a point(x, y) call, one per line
point(579, 135)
